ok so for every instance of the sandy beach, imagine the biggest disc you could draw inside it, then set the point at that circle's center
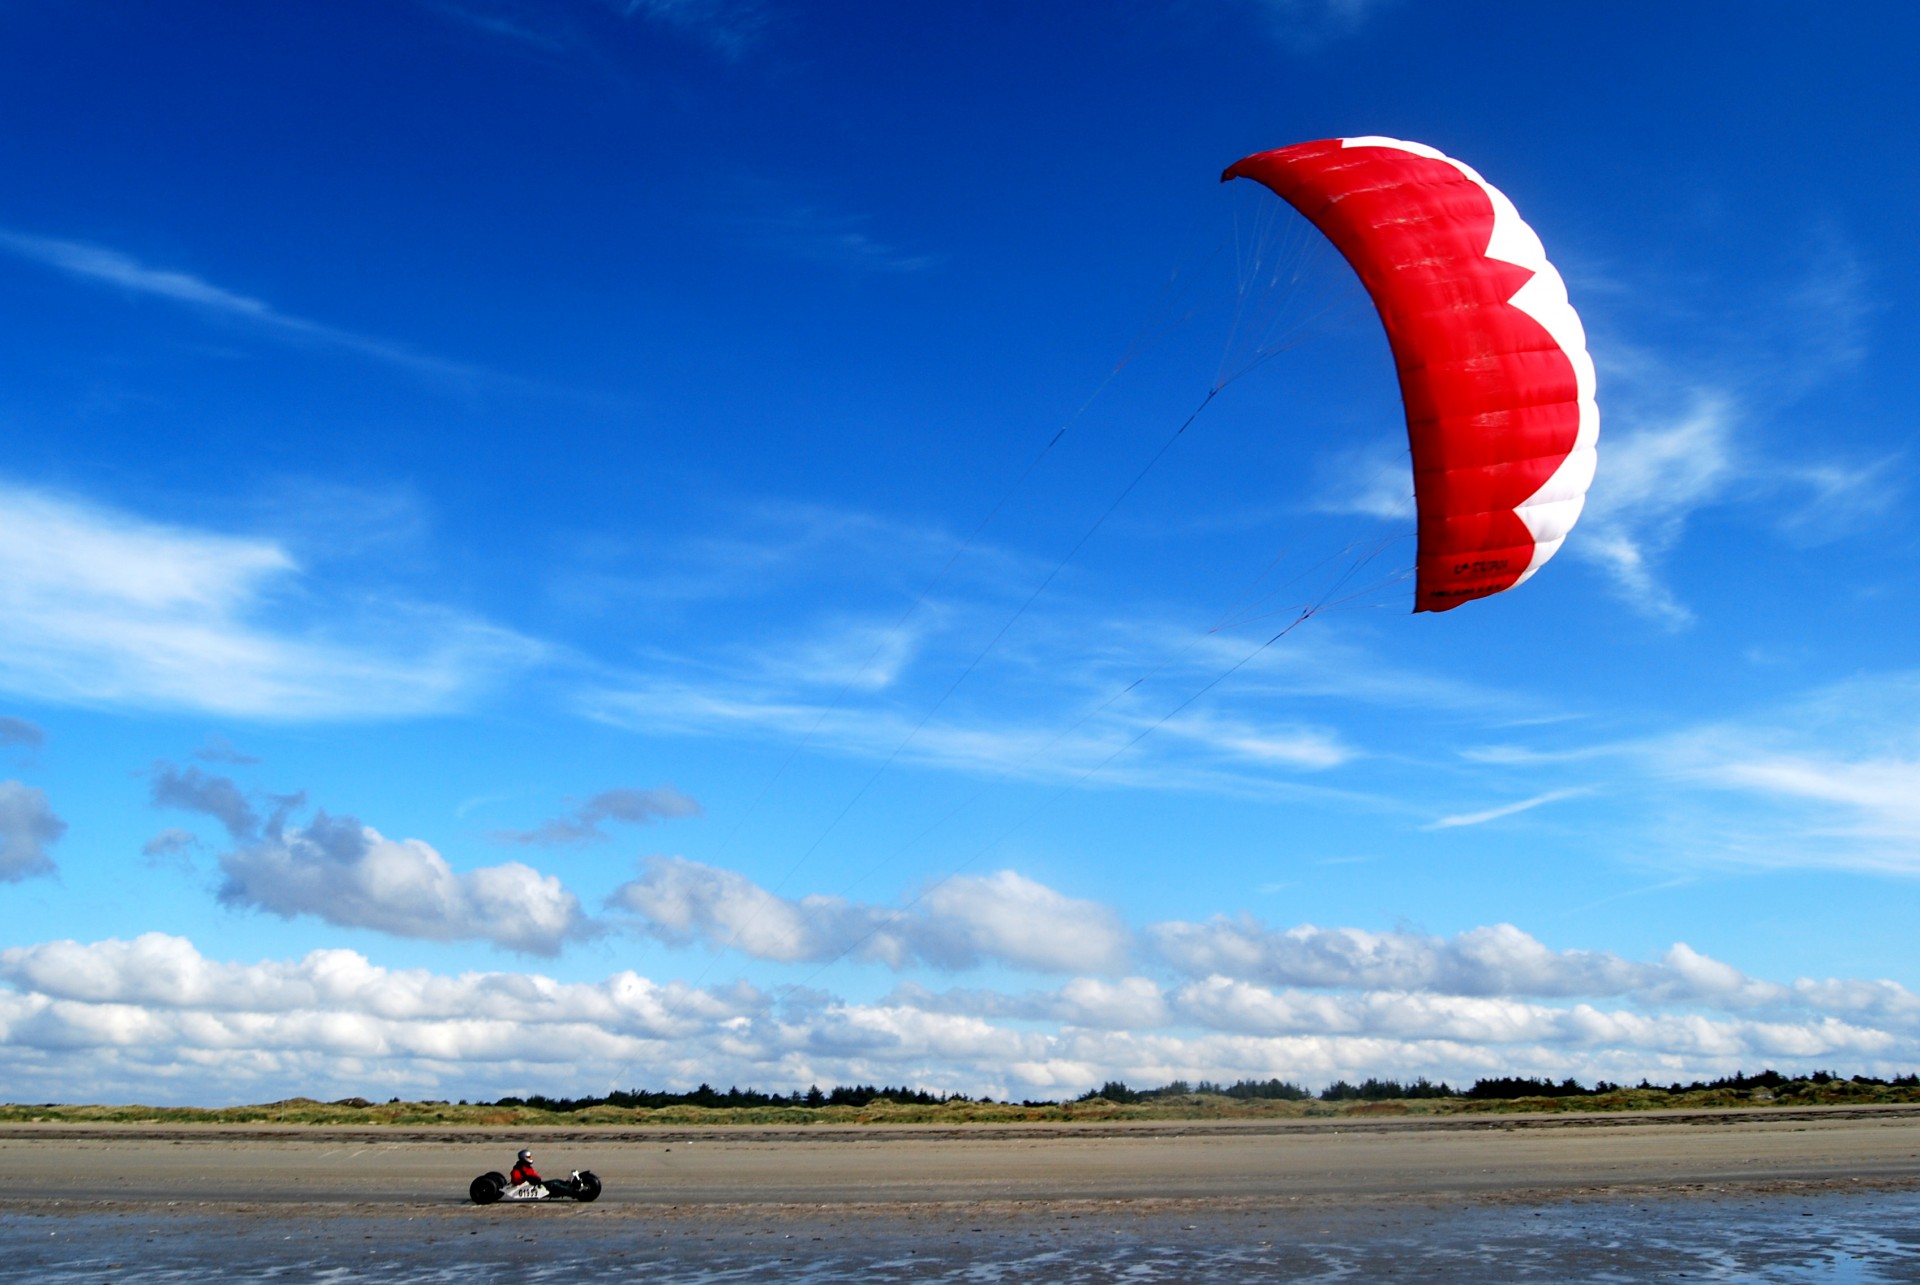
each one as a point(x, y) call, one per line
point(1827, 1194)
point(1479, 1157)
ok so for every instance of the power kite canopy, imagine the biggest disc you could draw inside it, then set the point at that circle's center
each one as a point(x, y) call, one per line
point(1493, 364)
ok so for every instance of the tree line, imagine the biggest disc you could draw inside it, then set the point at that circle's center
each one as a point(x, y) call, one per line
point(1372, 1089)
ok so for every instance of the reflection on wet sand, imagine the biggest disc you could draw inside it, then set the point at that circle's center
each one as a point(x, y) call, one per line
point(1802, 1236)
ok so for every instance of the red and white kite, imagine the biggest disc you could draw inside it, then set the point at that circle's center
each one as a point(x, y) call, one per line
point(1493, 361)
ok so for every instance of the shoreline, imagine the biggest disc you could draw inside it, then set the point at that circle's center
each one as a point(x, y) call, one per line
point(1110, 1165)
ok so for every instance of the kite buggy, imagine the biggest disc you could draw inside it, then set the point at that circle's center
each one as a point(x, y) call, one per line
point(525, 1183)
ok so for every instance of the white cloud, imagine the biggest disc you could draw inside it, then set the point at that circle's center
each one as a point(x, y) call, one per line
point(28, 828)
point(1838, 498)
point(1884, 794)
point(98, 607)
point(1374, 483)
point(1225, 1004)
point(351, 875)
point(108, 267)
point(1116, 737)
point(1830, 778)
point(1126, 1003)
point(1505, 810)
point(1008, 917)
point(1651, 479)
point(155, 1019)
point(1496, 960)
point(959, 923)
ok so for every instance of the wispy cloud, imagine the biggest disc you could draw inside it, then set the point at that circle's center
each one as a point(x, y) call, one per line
point(730, 28)
point(1374, 483)
point(841, 241)
point(103, 266)
point(1311, 24)
point(1505, 810)
point(101, 607)
point(1823, 779)
point(758, 551)
point(1653, 479)
point(18, 731)
point(586, 822)
point(172, 847)
point(1125, 744)
point(1832, 499)
point(1832, 778)
point(508, 22)
point(814, 232)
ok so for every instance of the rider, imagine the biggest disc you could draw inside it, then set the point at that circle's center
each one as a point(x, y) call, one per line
point(523, 1170)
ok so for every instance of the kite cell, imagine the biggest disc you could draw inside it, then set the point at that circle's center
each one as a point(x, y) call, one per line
point(1494, 371)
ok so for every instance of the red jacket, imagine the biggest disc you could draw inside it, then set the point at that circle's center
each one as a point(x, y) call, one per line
point(523, 1173)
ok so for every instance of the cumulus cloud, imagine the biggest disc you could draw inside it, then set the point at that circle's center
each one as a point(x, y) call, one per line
point(1244, 967)
point(1225, 1004)
point(960, 923)
point(28, 828)
point(1497, 960)
point(626, 804)
point(1126, 1003)
point(99, 607)
point(349, 874)
point(154, 1017)
point(18, 731)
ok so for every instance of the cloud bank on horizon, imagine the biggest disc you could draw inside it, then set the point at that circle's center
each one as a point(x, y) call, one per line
point(638, 542)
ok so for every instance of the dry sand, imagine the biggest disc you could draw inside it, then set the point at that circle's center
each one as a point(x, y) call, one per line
point(754, 1171)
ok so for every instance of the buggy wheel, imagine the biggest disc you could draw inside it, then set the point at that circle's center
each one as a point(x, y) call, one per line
point(589, 1188)
point(487, 1188)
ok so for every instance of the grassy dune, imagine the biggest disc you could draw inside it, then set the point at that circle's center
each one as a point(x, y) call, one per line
point(1198, 1106)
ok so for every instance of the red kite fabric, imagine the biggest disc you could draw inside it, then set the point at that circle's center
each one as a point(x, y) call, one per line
point(1494, 371)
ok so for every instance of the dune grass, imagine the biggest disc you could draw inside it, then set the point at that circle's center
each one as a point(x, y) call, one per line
point(1196, 1106)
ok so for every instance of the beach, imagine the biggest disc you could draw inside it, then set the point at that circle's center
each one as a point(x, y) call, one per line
point(1814, 1192)
point(1495, 1156)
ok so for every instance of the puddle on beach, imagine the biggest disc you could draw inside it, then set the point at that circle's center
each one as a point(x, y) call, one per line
point(1848, 1237)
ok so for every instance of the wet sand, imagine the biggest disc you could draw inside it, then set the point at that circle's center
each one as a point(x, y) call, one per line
point(1456, 1157)
point(1830, 1195)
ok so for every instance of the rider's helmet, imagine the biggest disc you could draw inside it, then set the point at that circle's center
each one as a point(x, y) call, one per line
point(524, 1156)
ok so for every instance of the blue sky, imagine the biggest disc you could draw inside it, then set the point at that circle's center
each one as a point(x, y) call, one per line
point(571, 545)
